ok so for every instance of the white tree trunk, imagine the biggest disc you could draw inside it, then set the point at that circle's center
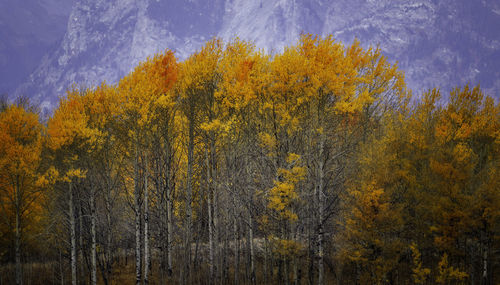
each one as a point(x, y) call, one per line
point(168, 197)
point(93, 233)
point(252, 251)
point(80, 240)
point(210, 220)
point(19, 277)
point(320, 214)
point(217, 250)
point(236, 244)
point(485, 266)
point(137, 209)
point(72, 235)
point(169, 230)
point(147, 259)
point(485, 247)
point(189, 193)
point(109, 238)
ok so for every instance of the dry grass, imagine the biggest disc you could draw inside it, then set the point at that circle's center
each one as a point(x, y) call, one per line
point(34, 273)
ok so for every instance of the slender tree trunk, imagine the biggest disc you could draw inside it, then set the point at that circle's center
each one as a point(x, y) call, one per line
point(286, 263)
point(215, 212)
point(485, 268)
point(147, 258)
point(169, 229)
point(280, 269)
point(168, 203)
point(211, 239)
point(271, 263)
point(19, 277)
point(252, 252)
point(295, 261)
point(61, 272)
point(218, 248)
point(224, 252)
point(93, 233)
point(485, 247)
point(162, 190)
point(296, 271)
point(236, 244)
point(72, 235)
point(80, 241)
point(320, 213)
point(109, 237)
point(210, 220)
point(189, 193)
point(162, 235)
point(266, 261)
point(137, 209)
point(311, 248)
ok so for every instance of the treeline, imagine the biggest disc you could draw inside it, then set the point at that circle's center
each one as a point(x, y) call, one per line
point(311, 166)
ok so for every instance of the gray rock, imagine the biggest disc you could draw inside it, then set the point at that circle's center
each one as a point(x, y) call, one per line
point(437, 43)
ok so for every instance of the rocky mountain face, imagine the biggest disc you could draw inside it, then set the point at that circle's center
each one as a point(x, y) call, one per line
point(28, 30)
point(438, 43)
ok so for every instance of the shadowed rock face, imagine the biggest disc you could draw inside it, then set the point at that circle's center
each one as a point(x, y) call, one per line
point(438, 43)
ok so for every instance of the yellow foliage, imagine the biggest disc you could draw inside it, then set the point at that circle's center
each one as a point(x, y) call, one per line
point(74, 173)
point(21, 198)
point(448, 274)
point(420, 274)
point(267, 141)
point(286, 247)
point(20, 141)
point(283, 194)
point(69, 127)
point(48, 178)
point(292, 157)
point(243, 75)
point(147, 87)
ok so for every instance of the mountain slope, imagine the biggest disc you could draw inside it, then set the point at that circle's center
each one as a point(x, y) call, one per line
point(437, 43)
point(27, 32)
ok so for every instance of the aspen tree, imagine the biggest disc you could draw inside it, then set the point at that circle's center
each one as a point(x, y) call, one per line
point(70, 135)
point(20, 154)
point(142, 89)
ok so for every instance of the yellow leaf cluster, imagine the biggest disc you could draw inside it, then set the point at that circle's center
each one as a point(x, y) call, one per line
point(449, 274)
point(74, 173)
point(283, 194)
point(420, 273)
point(286, 247)
point(69, 127)
point(20, 141)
